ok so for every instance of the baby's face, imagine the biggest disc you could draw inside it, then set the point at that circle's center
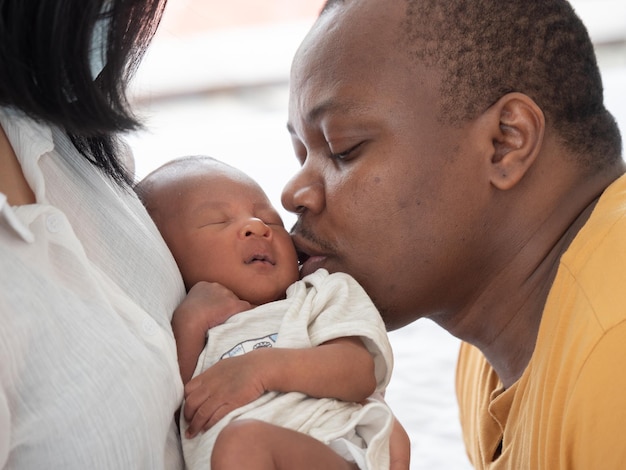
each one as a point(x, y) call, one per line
point(228, 232)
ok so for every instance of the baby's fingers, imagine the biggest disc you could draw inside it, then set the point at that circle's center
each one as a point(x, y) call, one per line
point(195, 397)
point(206, 416)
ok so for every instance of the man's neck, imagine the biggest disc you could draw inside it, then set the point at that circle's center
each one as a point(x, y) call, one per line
point(503, 322)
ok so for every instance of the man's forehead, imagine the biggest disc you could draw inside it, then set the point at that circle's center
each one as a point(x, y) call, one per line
point(354, 31)
point(365, 9)
point(359, 4)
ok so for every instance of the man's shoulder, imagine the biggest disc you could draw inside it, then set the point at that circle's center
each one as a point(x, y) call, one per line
point(595, 262)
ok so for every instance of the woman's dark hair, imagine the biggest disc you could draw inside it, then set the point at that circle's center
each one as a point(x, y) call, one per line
point(45, 56)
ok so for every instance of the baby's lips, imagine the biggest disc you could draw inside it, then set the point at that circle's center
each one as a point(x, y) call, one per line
point(260, 257)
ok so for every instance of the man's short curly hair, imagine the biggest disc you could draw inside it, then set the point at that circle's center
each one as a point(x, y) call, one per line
point(487, 48)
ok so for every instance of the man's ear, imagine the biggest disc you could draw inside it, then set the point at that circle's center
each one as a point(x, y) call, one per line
point(517, 138)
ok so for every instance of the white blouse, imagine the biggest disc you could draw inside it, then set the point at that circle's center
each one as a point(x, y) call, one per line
point(88, 371)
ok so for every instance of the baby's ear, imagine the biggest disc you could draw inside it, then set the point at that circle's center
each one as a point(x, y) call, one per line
point(517, 138)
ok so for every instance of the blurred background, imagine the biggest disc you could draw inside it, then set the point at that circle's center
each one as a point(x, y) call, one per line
point(215, 82)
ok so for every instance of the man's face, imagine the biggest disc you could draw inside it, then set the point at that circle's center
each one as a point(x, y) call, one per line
point(384, 189)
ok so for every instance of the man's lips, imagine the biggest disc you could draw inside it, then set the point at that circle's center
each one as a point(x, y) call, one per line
point(312, 264)
point(304, 248)
point(309, 257)
point(302, 256)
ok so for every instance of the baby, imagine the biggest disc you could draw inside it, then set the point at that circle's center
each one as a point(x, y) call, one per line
point(287, 372)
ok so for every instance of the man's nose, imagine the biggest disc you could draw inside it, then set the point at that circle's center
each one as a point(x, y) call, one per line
point(303, 192)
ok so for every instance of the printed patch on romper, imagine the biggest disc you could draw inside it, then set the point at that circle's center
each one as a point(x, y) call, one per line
point(251, 345)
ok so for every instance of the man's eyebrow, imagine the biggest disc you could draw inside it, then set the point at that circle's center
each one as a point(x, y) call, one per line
point(325, 107)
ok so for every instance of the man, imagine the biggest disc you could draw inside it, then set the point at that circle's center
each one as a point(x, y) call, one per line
point(458, 161)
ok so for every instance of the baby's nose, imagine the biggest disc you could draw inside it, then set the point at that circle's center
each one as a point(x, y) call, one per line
point(255, 227)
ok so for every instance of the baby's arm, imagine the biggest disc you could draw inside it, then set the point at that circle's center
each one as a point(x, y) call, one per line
point(399, 447)
point(207, 304)
point(342, 368)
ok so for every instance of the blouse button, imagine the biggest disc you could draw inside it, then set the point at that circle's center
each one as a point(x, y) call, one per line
point(149, 327)
point(54, 223)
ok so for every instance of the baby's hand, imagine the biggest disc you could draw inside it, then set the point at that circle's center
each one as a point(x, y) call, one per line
point(207, 304)
point(230, 383)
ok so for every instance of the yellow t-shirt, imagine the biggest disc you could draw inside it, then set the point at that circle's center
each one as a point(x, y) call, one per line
point(568, 409)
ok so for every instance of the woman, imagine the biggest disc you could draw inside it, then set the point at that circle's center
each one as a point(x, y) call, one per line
point(88, 375)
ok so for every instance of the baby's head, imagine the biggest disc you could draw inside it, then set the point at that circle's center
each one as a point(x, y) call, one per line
point(221, 227)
